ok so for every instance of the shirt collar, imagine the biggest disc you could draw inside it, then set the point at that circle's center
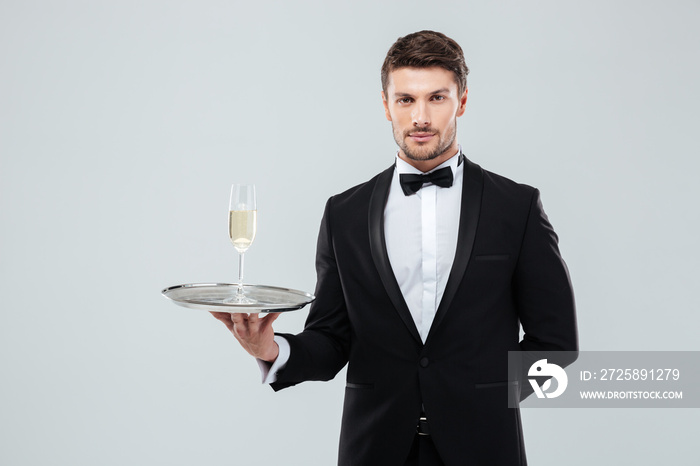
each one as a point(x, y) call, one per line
point(453, 162)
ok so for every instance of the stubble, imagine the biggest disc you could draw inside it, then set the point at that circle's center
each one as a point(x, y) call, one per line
point(424, 152)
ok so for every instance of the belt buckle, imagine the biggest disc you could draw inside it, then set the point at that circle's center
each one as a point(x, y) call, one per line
point(422, 427)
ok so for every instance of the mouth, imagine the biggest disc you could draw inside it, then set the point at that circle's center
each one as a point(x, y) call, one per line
point(419, 136)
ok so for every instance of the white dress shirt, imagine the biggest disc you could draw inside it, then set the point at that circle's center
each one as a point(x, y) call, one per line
point(421, 240)
point(425, 225)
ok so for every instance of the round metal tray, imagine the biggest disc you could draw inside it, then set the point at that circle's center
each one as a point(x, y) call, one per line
point(213, 296)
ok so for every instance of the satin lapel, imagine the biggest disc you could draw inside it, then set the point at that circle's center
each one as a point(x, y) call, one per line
point(472, 188)
point(380, 256)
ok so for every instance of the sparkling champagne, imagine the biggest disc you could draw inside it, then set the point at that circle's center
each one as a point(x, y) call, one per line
point(241, 228)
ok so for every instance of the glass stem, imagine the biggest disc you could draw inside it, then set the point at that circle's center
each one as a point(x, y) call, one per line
point(240, 273)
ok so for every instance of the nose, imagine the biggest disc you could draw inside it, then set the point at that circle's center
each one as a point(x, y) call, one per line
point(420, 116)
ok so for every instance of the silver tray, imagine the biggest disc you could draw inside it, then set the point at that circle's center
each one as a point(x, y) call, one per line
point(212, 297)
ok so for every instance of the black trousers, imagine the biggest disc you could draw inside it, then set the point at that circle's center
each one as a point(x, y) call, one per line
point(423, 453)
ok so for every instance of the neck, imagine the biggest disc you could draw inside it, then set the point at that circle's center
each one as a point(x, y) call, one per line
point(427, 165)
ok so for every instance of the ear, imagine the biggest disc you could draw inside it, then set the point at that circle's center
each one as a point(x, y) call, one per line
point(386, 107)
point(462, 103)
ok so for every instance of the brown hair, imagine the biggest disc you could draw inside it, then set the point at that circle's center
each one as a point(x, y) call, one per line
point(425, 49)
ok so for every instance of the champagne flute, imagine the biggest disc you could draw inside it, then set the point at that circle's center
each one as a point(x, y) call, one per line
point(242, 224)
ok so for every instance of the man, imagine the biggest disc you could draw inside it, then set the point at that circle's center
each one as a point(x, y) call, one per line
point(424, 274)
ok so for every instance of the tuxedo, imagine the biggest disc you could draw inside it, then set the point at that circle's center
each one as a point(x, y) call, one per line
point(507, 272)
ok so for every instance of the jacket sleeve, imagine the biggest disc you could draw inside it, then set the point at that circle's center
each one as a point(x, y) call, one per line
point(322, 349)
point(544, 295)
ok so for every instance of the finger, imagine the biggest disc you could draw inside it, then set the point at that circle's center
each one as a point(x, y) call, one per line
point(239, 319)
point(256, 322)
point(223, 317)
point(234, 330)
point(240, 324)
point(268, 320)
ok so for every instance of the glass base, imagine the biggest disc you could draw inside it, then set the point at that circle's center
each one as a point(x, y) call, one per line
point(240, 300)
point(240, 297)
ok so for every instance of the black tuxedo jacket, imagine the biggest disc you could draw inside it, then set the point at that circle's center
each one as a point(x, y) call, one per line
point(507, 271)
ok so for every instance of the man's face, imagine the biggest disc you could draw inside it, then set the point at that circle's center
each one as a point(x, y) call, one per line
point(423, 105)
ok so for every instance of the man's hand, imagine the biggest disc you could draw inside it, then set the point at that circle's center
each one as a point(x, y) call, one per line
point(253, 332)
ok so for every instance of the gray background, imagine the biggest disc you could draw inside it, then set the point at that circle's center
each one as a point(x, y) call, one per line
point(123, 124)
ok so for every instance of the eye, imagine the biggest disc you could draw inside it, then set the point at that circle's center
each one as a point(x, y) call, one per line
point(405, 100)
point(438, 97)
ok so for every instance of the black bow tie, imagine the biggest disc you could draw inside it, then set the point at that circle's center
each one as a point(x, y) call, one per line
point(411, 183)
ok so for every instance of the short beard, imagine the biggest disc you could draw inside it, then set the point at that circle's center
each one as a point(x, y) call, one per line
point(443, 144)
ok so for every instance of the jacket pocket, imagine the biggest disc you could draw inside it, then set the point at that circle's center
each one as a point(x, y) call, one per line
point(358, 385)
point(492, 257)
point(495, 384)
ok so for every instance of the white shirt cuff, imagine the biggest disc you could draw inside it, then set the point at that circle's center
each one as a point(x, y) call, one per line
point(269, 370)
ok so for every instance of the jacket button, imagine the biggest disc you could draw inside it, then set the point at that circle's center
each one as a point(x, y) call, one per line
point(424, 362)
